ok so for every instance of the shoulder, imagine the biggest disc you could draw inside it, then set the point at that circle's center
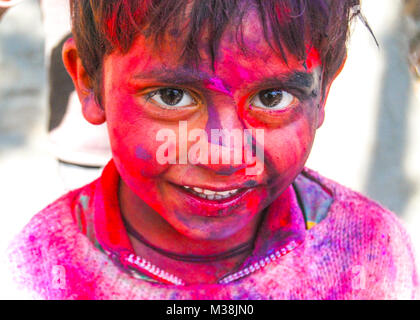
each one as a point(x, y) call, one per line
point(53, 257)
point(352, 208)
point(371, 240)
point(37, 252)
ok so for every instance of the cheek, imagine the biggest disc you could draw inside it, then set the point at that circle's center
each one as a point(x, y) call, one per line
point(287, 148)
point(134, 155)
point(141, 145)
point(133, 138)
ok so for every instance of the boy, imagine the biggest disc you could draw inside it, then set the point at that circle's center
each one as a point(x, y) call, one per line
point(190, 91)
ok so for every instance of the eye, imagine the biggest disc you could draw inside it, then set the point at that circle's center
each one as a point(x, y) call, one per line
point(171, 97)
point(273, 99)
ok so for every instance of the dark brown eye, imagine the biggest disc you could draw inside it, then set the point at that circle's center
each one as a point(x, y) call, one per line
point(271, 98)
point(274, 99)
point(171, 97)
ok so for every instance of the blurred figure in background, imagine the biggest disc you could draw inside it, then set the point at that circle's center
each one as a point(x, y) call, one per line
point(5, 4)
point(82, 150)
point(412, 10)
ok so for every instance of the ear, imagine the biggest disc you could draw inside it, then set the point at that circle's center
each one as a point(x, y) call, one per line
point(326, 91)
point(91, 109)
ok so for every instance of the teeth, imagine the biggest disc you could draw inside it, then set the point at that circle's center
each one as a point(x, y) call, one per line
point(228, 193)
point(209, 192)
point(212, 195)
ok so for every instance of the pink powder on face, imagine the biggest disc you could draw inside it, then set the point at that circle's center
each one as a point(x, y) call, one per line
point(217, 85)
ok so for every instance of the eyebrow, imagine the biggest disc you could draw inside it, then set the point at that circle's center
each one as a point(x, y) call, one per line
point(175, 76)
point(296, 79)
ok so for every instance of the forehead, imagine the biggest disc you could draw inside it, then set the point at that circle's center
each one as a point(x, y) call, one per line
point(243, 55)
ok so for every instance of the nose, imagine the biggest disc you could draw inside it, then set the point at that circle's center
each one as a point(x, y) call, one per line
point(228, 139)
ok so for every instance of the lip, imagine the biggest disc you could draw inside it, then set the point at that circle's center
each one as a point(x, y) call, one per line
point(215, 207)
point(216, 188)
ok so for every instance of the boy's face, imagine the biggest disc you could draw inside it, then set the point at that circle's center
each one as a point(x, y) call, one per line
point(147, 90)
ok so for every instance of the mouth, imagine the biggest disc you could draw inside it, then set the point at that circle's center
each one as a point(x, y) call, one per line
point(217, 202)
point(212, 195)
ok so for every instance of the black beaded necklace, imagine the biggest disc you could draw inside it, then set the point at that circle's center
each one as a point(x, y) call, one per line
point(245, 247)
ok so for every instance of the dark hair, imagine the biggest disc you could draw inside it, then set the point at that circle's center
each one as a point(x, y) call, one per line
point(102, 26)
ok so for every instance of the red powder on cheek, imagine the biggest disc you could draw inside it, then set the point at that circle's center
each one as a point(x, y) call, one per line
point(243, 114)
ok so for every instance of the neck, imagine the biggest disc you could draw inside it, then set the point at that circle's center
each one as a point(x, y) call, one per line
point(239, 250)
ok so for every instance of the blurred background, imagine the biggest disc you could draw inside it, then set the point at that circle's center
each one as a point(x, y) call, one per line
point(370, 140)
